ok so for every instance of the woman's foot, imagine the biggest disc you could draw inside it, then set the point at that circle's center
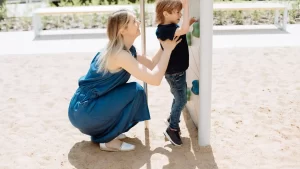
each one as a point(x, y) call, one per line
point(116, 145)
point(121, 136)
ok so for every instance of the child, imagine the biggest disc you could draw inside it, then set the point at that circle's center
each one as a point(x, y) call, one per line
point(168, 14)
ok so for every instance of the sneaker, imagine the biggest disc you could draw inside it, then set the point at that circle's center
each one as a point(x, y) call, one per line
point(173, 136)
point(168, 124)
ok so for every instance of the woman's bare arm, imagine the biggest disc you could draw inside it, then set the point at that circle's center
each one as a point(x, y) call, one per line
point(150, 63)
point(142, 72)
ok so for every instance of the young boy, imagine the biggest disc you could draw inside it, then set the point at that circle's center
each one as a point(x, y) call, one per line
point(168, 14)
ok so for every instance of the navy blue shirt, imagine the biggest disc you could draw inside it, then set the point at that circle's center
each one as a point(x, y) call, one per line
point(179, 60)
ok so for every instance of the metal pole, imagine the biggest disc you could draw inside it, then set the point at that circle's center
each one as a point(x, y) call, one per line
point(206, 32)
point(143, 35)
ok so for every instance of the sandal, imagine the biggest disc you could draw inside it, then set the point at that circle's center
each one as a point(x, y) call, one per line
point(124, 147)
point(121, 136)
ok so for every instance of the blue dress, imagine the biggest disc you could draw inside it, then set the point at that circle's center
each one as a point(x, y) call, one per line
point(105, 105)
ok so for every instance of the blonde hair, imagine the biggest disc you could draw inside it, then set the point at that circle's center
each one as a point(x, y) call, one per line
point(168, 6)
point(116, 21)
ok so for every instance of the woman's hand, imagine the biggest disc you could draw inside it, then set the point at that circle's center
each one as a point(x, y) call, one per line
point(170, 44)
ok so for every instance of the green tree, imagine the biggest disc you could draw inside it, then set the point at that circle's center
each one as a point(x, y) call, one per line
point(2, 9)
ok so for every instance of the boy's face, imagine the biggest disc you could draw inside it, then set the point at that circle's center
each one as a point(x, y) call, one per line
point(173, 17)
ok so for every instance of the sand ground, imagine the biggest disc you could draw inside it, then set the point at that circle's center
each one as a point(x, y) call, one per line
point(255, 114)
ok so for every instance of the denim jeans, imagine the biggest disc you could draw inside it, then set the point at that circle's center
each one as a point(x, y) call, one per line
point(178, 86)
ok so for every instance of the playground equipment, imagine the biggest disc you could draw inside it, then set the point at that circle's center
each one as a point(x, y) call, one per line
point(200, 49)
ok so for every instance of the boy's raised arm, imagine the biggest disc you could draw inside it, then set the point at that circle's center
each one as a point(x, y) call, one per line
point(186, 19)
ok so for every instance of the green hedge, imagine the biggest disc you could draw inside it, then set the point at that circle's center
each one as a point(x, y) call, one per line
point(2, 9)
point(95, 2)
point(99, 20)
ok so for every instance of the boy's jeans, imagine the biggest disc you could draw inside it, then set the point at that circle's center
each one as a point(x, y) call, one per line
point(177, 82)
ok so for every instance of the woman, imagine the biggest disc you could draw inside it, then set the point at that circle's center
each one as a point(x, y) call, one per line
point(104, 106)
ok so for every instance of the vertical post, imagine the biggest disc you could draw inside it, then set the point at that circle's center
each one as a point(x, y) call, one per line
point(206, 32)
point(276, 17)
point(27, 5)
point(143, 36)
point(285, 18)
point(36, 23)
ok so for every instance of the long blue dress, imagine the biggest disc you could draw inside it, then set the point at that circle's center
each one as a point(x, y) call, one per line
point(105, 105)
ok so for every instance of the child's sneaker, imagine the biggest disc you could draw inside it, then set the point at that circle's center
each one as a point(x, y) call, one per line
point(168, 124)
point(173, 136)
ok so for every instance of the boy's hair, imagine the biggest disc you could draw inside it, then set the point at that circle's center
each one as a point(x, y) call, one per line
point(168, 6)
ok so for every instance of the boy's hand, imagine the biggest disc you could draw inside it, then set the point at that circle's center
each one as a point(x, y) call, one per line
point(193, 20)
point(184, 3)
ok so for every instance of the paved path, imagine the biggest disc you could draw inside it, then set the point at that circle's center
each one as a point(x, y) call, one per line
point(74, 41)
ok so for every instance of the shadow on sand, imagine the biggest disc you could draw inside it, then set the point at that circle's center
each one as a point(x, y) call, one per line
point(87, 155)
